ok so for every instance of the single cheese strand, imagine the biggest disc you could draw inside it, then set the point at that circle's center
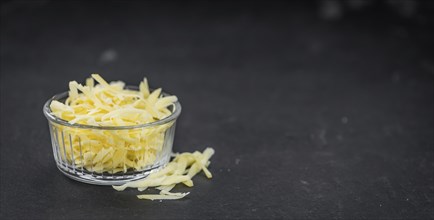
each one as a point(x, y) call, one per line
point(140, 184)
point(165, 181)
point(89, 82)
point(57, 106)
point(100, 80)
point(166, 188)
point(73, 92)
point(144, 88)
point(207, 173)
point(161, 197)
point(174, 179)
point(188, 183)
point(142, 188)
point(165, 101)
point(153, 97)
point(165, 192)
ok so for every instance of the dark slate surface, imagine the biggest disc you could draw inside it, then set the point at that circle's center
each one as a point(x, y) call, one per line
point(310, 118)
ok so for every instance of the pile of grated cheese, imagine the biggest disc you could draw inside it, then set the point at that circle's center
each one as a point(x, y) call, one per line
point(180, 170)
point(110, 104)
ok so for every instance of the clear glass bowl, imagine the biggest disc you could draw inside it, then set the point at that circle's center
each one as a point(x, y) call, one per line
point(110, 155)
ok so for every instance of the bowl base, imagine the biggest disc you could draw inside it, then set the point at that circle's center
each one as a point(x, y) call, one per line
point(85, 176)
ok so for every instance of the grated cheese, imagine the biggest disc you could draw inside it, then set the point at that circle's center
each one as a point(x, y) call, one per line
point(110, 104)
point(162, 197)
point(180, 170)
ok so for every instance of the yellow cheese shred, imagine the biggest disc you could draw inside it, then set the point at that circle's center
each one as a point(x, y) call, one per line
point(180, 170)
point(110, 104)
point(162, 197)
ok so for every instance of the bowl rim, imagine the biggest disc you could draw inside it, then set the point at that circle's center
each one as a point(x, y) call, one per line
point(47, 112)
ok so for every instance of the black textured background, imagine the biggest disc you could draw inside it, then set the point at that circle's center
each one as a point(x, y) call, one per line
point(312, 115)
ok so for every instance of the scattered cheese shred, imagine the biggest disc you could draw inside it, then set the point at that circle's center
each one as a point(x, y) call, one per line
point(162, 197)
point(110, 104)
point(179, 170)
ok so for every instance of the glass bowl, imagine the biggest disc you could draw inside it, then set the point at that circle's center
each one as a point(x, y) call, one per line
point(110, 155)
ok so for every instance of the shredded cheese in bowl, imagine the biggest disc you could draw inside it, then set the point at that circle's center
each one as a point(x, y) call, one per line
point(107, 133)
